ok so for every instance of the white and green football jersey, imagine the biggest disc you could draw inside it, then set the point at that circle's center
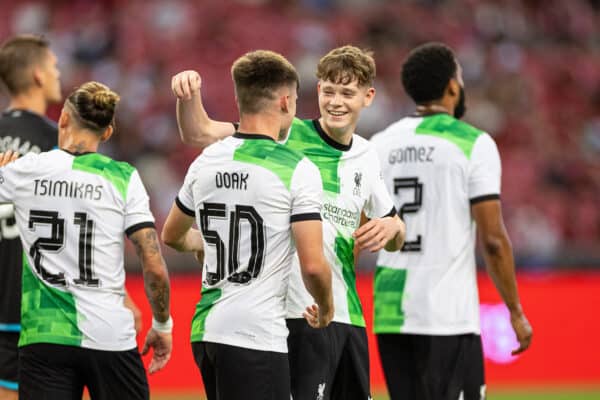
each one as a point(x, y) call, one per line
point(73, 212)
point(436, 167)
point(245, 192)
point(352, 183)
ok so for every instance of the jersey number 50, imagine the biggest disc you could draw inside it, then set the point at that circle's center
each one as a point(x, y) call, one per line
point(257, 242)
point(55, 243)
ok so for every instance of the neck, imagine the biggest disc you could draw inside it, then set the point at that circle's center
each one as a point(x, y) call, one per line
point(30, 101)
point(443, 105)
point(80, 142)
point(342, 136)
point(262, 123)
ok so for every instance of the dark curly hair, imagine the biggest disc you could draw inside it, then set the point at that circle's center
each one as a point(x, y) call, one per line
point(427, 71)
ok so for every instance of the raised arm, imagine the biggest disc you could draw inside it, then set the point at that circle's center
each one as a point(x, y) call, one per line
point(316, 272)
point(156, 283)
point(497, 252)
point(196, 128)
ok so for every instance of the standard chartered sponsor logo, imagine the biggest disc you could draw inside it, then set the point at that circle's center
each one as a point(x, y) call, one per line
point(341, 216)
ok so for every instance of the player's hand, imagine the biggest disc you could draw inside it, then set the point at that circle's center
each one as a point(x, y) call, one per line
point(316, 318)
point(375, 234)
point(523, 331)
point(7, 157)
point(185, 84)
point(162, 345)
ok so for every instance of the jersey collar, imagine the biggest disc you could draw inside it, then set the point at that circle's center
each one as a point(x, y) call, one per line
point(78, 154)
point(329, 140)
point(240, 135)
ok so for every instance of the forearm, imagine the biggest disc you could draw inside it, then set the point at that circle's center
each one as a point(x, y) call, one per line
point(196, 128)
point(156, 284)
point(191, 241)
point(500, 264)
point(318, 284)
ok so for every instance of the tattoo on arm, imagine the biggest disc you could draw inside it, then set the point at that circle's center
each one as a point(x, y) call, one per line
point(156, 280)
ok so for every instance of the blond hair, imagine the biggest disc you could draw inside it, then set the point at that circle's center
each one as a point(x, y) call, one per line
point(347, 63)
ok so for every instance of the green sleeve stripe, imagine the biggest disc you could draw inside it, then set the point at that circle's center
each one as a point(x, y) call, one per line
point(278, 159)
point(446, 127)
point(389, 293)
point(305, 139)
point(206, 303)
point(116, 172)
point(48, 315)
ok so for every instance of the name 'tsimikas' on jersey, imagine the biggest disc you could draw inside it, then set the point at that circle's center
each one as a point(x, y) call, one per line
point(352, 183)
point(245, 192)
point(436, 167)
point(72, 211)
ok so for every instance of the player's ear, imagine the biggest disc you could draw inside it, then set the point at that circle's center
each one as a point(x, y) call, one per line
point(106, 134)
point(38, 77)
point(284, 103)
point(369, 97)
point(64, 119)
point(453, 88)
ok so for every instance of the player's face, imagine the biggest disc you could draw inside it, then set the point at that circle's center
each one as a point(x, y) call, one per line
point(340, 104)
point(292, 97)
point(51, 78)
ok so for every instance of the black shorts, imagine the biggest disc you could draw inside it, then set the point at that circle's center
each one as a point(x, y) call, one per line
point(428, 367)
point(51, 371)
point(342, 348)
point(9, 360)
point(237, 373)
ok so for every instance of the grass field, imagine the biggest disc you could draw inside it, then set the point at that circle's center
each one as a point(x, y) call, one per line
point(523, 394)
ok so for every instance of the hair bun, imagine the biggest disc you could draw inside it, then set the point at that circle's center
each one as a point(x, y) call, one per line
point(105, 99)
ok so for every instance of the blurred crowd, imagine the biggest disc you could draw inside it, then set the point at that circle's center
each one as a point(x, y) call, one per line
point(532, 76)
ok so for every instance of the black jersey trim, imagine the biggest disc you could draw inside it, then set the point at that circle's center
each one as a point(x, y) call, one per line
point(240, 135)
point(134, 228)
point(329, 140)
point(391, 213)
point(183, 208)
point(305, 217)
point(74, 153)
point(486, 197)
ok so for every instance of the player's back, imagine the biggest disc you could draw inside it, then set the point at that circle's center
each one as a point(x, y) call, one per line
point(246, 191)
point(73, 212)
point(435, 167)
point(21, 131)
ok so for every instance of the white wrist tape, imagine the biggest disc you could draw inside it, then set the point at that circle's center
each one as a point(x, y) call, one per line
point(163, 327)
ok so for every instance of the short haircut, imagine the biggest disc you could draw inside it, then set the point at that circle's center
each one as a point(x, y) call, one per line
point(427, 71)
point(345, 64)
point(93, 105)
point(257, 75)
point(17, 56)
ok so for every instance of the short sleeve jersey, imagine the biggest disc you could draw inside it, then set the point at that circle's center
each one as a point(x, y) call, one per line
point(436, 167)
point(24, 132)
point(73, 212)
point(245, 192)
point(352, 183)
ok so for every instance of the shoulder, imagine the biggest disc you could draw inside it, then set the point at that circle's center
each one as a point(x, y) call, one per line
point(119, 173)
point(455, 131)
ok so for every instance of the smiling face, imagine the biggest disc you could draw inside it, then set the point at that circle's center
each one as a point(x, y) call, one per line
point(340, 105)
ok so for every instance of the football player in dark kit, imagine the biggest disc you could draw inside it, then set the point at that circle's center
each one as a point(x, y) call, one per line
point(29, 74)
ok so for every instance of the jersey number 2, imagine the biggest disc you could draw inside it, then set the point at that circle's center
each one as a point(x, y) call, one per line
point(412, 207)
point(257, 242)
point(55, 243)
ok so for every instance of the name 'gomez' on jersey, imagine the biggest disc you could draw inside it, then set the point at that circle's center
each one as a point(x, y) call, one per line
point(435, 167)
point(73, 212)
point(245, 192)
